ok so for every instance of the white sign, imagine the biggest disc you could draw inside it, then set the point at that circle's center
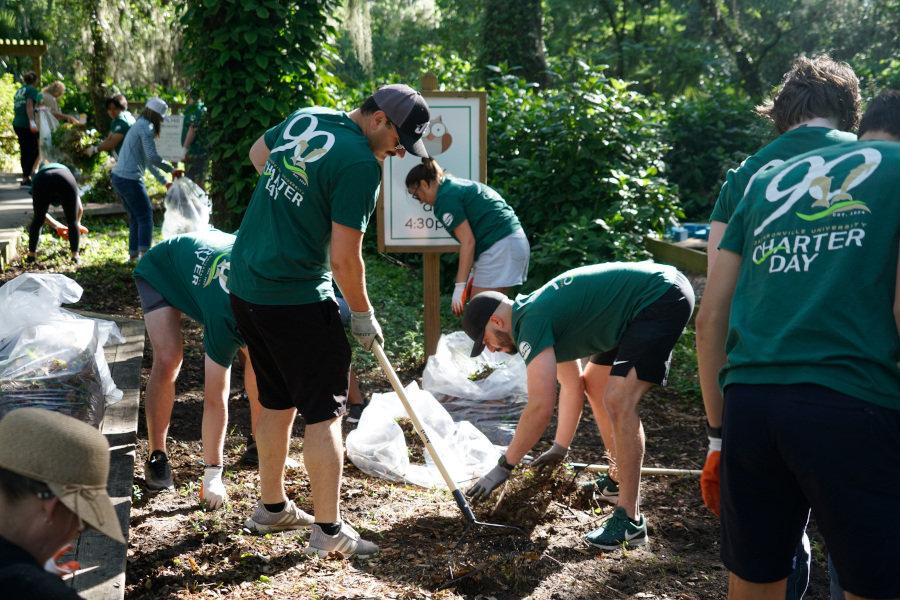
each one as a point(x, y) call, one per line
point(454, 139)
point(168, 144)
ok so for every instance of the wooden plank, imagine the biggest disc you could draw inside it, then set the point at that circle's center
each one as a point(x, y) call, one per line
point(686, 259)
point(432, 293)
point(102, 572)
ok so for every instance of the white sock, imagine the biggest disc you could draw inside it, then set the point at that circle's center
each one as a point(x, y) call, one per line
point(212, 490)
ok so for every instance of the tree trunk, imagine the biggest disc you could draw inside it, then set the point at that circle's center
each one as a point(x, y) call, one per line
point(98, 67)
point(512, 32)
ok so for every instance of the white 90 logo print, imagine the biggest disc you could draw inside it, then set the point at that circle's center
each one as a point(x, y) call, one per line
point(818, 169)
point(301, 142)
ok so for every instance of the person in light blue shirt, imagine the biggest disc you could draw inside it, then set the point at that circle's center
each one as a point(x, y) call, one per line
point(137, 155)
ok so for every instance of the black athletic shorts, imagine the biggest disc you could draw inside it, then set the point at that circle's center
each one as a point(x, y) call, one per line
point(150, 298)
point(300, 354)
point(648, 340)
point(789, 448)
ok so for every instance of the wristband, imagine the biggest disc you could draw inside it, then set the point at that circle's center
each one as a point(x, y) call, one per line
point(713, 432)
point(502, 462)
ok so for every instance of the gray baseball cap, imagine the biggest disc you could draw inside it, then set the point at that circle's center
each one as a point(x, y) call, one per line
point(407, 109)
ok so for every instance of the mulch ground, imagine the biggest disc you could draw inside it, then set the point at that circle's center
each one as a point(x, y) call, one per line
point(177, 550)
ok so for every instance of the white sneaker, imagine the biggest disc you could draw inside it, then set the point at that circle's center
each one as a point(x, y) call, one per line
point(263, 521)
point(346, 543)
point(212, 488)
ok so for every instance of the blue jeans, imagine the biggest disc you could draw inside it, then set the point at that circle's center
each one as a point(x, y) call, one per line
point(798, 580)
point(140, 213)
point(837, 592)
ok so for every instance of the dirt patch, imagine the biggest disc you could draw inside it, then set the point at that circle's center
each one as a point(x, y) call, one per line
point(414, 446)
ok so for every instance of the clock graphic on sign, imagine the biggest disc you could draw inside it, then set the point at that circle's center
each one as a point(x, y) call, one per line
point(436, 137)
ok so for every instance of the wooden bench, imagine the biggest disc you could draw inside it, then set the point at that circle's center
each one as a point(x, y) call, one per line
point(102, 573)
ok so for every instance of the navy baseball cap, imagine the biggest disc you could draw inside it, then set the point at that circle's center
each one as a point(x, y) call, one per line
point(408, 111)
point(476, 316)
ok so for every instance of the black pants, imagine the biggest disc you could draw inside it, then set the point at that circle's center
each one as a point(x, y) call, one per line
point(28, 149)
point(58, 187)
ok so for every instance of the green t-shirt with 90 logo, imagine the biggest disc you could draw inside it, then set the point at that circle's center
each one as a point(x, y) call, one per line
point(191, 272)
point(490, 217)
point(20, 101)
point(320, 170)
point(194, 115)
point(818, 237)
point(788, 145)
point(121, 124)
point(586, 310)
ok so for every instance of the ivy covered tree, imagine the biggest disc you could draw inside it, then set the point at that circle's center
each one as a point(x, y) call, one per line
point(512, 33)
point(252, 62)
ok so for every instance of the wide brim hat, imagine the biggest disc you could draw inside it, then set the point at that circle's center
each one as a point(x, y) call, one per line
point(70, 456)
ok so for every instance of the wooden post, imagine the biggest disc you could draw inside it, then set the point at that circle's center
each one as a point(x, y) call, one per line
point(431, 272)
point(36, 66)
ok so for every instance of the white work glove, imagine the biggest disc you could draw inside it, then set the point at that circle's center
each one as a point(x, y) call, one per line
point(366, 329)
point(91, 150)
point(212, 489)
point(551, 458)
point(33, 126)
point(457, 303)
point(489, 482)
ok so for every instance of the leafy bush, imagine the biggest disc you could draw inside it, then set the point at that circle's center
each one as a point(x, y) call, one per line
point(9, 147)
point(582, 165)
point(70, 142)
point(100, 189)
point(710, 133)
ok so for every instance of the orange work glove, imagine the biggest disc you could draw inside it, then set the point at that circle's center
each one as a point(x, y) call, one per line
point(709, 478)
point(62, 232)
point(54, 566)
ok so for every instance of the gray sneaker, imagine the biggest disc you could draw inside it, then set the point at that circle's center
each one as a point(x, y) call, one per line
point(346, 543)
point(263, 521)
point(158, 472)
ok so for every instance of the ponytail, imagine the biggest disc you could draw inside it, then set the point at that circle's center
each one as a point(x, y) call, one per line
point(428, 170)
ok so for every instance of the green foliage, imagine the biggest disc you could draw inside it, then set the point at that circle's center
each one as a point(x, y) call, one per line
point(709, 133)
point(100, 189)
point(253, 63)
point(70, 142)
point(516, 38)
point(9, 147)
point(582, 165)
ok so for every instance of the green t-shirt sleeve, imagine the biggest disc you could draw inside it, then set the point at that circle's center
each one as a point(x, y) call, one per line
point(733, 239)
point(728, 199)
point(271, 136)
point(118, 126)
point(452, 212)
point(354, 195)
point(220, 342)
point(535, 335)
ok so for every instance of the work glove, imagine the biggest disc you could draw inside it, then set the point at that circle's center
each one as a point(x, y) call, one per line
point(33, 126)
point(489, 482)
point(55, 566)
point(91, 150)
point(709, 478)
point(458, 301)
point(212, 488)
point(551, 458)
point(366, 329)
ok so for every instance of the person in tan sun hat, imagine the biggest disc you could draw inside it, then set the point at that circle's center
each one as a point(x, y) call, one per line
point(53, 476)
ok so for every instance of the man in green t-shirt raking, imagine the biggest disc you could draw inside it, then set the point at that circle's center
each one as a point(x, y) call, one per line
point(319, 177)
point(192, 139)
point(188, 274)
point(121, 121)
point(801, 327)
point(25, 102)
point(627, 317)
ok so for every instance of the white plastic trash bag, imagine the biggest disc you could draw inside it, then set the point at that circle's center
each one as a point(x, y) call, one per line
point(49, 357)
point(187, 208)
point(453, 372)
point(47, 124)
point(377, 446)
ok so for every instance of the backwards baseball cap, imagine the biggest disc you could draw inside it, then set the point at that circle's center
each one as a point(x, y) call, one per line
point(158, 105)
point(407, 109)
point(69, 456)
point(476, 316)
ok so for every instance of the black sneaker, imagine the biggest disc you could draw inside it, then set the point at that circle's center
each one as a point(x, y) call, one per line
point(158, 472)
point(250, 458)
point(355, 412)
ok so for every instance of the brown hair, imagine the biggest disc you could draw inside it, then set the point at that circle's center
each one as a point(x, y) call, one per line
point(29, 77)
point(815, 87)
point(155, 118)
point(883, 114)
point(427, 170)
point(118, 101)
point(14, 487)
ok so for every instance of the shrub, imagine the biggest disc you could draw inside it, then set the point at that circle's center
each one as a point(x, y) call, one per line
point(9, 147)
point(582, 165)
point(710, 133)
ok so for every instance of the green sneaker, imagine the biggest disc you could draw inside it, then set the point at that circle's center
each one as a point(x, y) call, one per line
point(605, 488)
point(618, 531)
